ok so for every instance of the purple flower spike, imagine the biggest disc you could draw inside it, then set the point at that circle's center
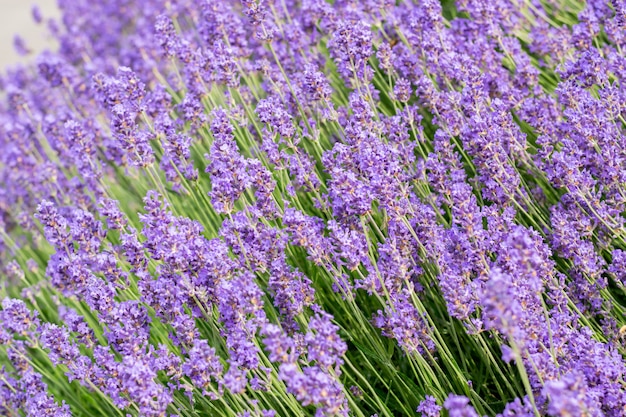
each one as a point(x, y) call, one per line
point(428, 407)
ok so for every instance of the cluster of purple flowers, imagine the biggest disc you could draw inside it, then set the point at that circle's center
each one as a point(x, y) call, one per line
point(301, 207)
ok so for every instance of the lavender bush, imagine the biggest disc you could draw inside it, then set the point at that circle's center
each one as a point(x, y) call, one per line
point(300, 207)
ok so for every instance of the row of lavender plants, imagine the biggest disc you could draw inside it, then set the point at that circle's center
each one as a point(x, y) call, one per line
point(300, 207)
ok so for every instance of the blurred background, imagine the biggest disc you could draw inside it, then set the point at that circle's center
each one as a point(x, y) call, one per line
point(16, 18)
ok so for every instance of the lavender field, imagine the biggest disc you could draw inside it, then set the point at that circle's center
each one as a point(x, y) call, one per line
point(265, 208)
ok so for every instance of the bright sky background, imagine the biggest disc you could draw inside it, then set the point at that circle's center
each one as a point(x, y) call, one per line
point(15, 18)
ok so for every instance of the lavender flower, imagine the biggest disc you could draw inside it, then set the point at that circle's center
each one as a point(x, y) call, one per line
point(324, 345)
point(458, 406)
point(351, 46)
point(227, 167)
point(428, 407)
point(313, 386)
